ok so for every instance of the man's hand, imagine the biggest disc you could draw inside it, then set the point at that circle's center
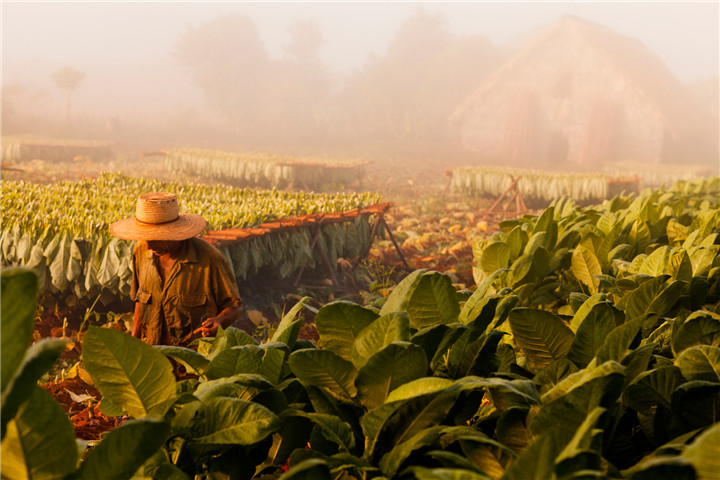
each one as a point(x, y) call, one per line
point(209, 327)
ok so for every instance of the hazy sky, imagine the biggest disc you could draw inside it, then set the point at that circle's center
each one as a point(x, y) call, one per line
point(686, 35)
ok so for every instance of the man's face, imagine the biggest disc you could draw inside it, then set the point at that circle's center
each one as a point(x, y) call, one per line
point(161, 247)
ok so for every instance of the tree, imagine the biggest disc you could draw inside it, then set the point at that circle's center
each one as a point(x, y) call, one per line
point(407, 95)
point(68, 79)
point(299, 87)
point(228, 62)
point(305, 41)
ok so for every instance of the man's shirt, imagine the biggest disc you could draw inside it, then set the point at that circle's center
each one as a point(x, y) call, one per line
point(199, 285)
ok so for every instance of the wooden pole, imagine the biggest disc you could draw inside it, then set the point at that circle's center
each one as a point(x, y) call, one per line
point(397, 247)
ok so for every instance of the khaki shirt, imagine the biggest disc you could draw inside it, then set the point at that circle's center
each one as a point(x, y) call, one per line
point(199, 285)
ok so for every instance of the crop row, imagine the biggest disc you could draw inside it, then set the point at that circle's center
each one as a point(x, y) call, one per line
point(60, 230)
point(19, 149)
point(655, 176)
point(264, 170)
point(535, 186)
point(609, 246)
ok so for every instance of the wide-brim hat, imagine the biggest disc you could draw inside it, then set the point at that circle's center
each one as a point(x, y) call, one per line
point(158, 217)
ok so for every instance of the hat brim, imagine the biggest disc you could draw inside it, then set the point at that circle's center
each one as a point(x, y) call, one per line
point(186, 226)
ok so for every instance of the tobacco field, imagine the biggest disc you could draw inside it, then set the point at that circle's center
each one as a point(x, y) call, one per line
point(580, 340)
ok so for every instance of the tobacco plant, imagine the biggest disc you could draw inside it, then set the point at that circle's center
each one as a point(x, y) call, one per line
point(61, 230)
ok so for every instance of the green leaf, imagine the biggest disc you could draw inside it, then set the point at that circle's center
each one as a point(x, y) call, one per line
point(339, 324)
point(430, 338)
point(701, 327)
point(697, 403)
point(240, 359)
point(701, 362)
point(680, 267)
point(516, 241)
point(657, 262)
point(289, 327)
point(567, 405)
point(159, 466)
point(618, 341)
point(59, 262)
point(652, 388)
point(413, 416)
point(478, 304)
point(38, 360)
point(40, 441)
point(324, 369)
point(511, 429)
point(653, 297)
point(546, 223)
point(391, 461)
point(124, 449)
point(582, 305)
point(129, 372)
point(192, 360)
point(584, 437)
point(494, 257)
point(311, 469)
point(591, 333)
point(664, 468)
point(394, 365)
point(639, 236)
point(585, 266)
point(231, 421)
point(231, 386)
point(423, 473)
point(427, 297)
point(18, 302)
point(703, 259)
point(637, 361)
point(456, 461)
point(391, 327)
point(538, 461)
point(676, 233)
point(274, 361)
point(333, 429)
point(480, 358)
point(542, 336)
point(223, 340)
point(554, 373)
point(704, 453)
point(420, 386)
point(438, 363)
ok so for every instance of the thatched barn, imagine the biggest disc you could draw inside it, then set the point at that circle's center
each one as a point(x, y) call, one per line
point(580, 94)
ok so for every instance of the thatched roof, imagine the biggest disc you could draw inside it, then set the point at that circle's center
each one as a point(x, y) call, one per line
point(609, 80)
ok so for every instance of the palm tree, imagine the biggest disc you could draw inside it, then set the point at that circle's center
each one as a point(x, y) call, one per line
point(68, 79)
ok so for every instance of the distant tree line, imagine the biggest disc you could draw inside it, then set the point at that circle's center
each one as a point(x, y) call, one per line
point(401, 99)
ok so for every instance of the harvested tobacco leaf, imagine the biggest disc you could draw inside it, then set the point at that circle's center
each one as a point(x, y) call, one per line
point(88, 421)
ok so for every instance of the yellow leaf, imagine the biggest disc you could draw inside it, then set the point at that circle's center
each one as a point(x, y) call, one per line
point(257, 317)
point(85, 376)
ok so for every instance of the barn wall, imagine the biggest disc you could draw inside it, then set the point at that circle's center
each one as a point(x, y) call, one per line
point(584, 110)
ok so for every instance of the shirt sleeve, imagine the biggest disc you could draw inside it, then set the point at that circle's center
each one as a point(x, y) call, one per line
point(134, 286)
point(225, 287)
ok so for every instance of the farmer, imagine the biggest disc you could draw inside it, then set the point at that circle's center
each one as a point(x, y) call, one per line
point(182, 286)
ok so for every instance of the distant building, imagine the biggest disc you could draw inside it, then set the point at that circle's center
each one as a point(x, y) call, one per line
point(582, 95)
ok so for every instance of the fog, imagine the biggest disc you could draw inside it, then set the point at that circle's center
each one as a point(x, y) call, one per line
point(330, 78)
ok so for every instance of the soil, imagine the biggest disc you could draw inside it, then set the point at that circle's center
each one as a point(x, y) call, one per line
point(88, 421)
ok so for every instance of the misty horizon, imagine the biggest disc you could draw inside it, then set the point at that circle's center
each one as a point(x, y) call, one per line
point(131, 76)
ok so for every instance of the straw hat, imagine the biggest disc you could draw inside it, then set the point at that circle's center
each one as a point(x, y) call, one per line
point(158, 217)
